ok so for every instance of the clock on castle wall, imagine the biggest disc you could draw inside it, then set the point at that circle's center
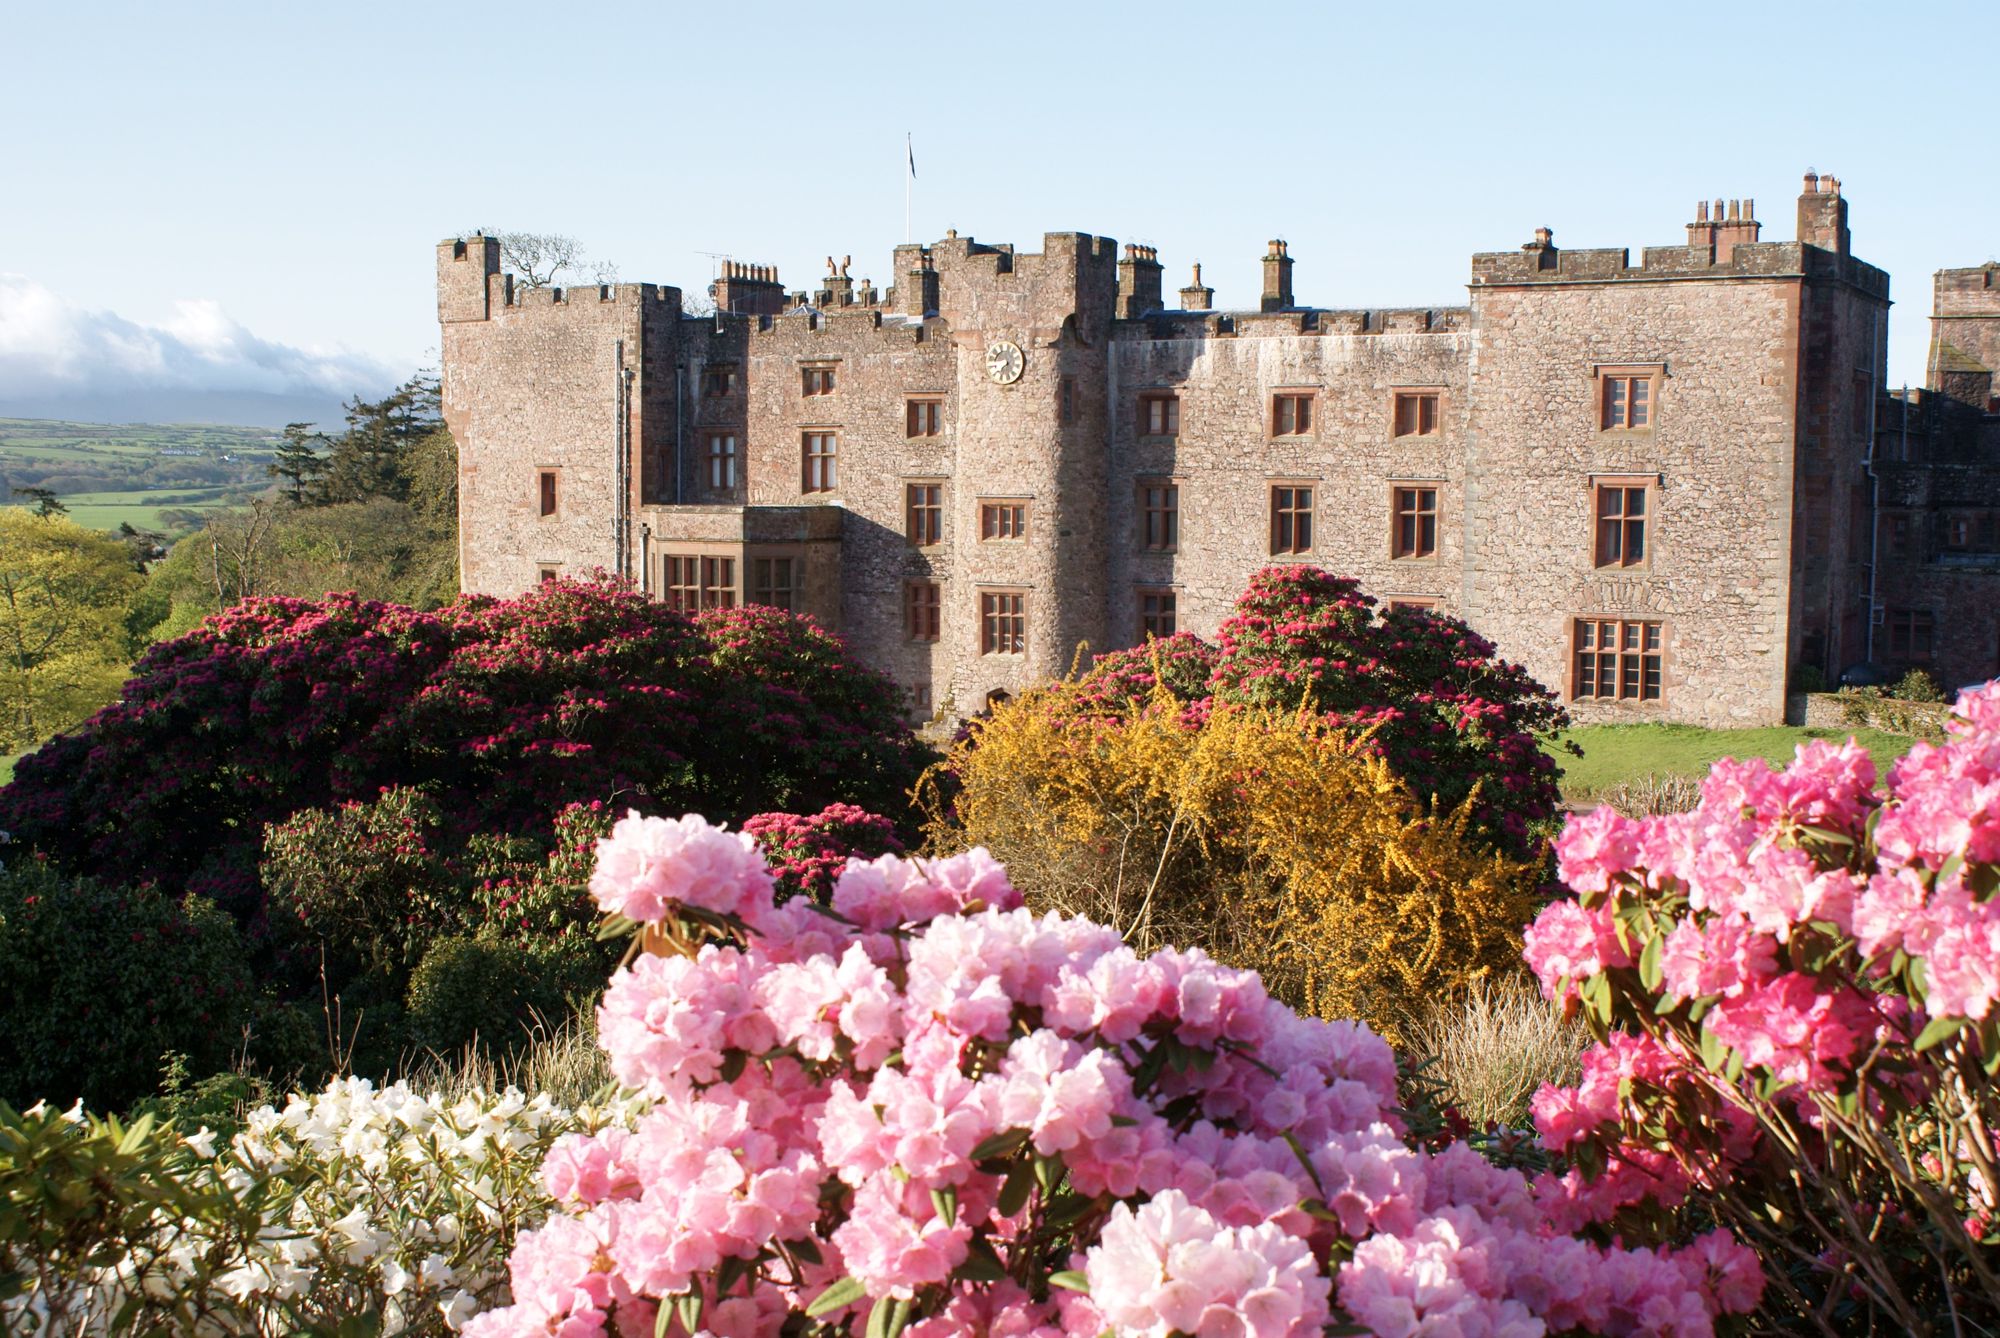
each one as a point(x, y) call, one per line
point(1005, 362)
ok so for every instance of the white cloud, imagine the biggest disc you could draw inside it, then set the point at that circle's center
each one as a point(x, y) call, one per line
point(52, 347)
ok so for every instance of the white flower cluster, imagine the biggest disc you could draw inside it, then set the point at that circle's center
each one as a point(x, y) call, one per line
point(383, 1202)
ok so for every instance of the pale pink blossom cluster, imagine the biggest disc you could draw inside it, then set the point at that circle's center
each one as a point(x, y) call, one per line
point(1797, 932)
point(926, 1107)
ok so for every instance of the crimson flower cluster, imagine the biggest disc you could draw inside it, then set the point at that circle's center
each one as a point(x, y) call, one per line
point(502, 711)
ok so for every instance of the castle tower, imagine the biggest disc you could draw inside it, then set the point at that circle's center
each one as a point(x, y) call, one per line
point(466, 267)
point(1277, 278)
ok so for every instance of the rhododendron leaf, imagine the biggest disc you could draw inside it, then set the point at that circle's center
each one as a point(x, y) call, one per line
point(1069, 1209)
point(1298, 1150)
point(616, 926)
point(732, 1271)
point(890, 1317)
point(999, 1145)
point(1313, 1208)
point(1014, 1193)
point(1732, 1069)
point(1713, 1051)
point(1937, 1031)
point(842, 1293)
point(944, 1202)
point(805, 1248)
point(1649, 963)
point(981, 1263)
point(1829, 835)
point(731, 1069)
point(1123, 1122)
point(1070, 1279)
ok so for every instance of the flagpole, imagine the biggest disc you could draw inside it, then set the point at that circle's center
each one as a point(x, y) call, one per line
point(909, 176)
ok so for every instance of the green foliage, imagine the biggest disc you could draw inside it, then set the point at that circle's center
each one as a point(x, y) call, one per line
point(296, 465)
point(63, 593)
point(363, 882)
point(1808, 678)
point(78, 1193)
point(486, 991)
point(1918, 685)
point(102, 982)
point(218, 1101)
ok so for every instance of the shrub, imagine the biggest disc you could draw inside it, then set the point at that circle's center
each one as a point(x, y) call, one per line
point(938, 1115)
point(1653, 796)
point(500, 711)
point(1272, 839)
point(351, 1210)
point(1427, 692)
point(1809, 678)
point(811, 852)
point(1491, 1050)
point(468, 990)
point(1802, 974)
point(1919, 686)
point(102, 982)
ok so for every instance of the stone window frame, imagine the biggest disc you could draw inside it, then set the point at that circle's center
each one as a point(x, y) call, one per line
point(1309, 396)
point(1171, 419)
point(1597, 485)
point(753, 586)
point(1397, 551)
point(1899, 532)
point(1419, 603)
point(821, 465)
point(1905, 625)
point(703, 576)
point(1149, 622)
point(721, 463)
point(927, 405)
point(546, 572)
point(923, 610)
point(545, 500)
point(1272, 488)
point(1659, 653)
point(1603, 374)
point(996, 508)
point(1415, 395)
point(720, 380)
point(819, 378)
point(920, 698)
point(916, 512)
point(1003, 628)
point(1144, 510)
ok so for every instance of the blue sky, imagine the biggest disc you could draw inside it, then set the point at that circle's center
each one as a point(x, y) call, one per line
point(254, 189)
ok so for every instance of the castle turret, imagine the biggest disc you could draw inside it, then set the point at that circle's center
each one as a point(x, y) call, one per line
point(1277, 278)
point(1823, 214)
point(1138, 282)
point(1721, 235)
point(465, 269)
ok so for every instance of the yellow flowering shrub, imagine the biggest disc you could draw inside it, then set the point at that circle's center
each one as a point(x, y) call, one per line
point(1269, 838)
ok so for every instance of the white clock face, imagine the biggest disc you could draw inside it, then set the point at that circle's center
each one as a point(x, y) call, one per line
point(1005, 362)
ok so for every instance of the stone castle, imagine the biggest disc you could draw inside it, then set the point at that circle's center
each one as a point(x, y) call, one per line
point(1669, 488)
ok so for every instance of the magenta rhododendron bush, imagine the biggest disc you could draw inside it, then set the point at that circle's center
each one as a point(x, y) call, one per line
point(924, 1110)
point(1803, 973)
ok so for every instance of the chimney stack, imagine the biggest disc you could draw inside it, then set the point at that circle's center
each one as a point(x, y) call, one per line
point(1731, 225)
point(1138, 282)
point(748, 290)
point(1277, 278)
point(1196, 297)
point(1823, 214)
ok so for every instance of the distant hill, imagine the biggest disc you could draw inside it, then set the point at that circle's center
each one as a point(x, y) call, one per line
point(139, 407)
point(157, 477)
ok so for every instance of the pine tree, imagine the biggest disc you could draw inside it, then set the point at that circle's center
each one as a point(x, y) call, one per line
point(297, 463)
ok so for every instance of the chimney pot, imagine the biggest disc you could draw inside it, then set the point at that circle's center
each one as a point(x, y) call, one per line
point(1735, 210)
point(1701, 211)
point(1749, 211)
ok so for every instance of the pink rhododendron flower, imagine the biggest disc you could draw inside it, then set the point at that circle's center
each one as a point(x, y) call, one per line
point(647, 865)
point(1171, 1268)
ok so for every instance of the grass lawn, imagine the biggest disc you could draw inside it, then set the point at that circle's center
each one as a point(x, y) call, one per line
point(7, 761)
point(1616, 753)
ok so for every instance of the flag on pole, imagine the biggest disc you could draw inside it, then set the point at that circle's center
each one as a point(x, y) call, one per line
point(912, 152)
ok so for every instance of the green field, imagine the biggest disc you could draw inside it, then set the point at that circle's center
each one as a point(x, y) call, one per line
point(136, 474)
point(7, 767)
point(1616, 753)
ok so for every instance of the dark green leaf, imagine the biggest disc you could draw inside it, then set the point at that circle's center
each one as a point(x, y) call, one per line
point(1070, 1280)
point(842, 1293)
